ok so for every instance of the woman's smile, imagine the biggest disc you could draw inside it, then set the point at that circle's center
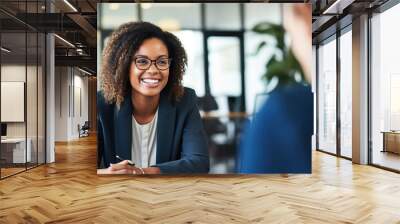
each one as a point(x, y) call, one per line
point(150, 82)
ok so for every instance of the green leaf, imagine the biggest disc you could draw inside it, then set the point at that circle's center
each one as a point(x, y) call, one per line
point(260, 46)
point(287, 68)
point(271, 61)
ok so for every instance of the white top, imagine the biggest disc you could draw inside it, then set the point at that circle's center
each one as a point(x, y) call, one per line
point(144, 142)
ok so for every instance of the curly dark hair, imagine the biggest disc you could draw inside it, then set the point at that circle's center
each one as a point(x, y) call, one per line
point(118, 56)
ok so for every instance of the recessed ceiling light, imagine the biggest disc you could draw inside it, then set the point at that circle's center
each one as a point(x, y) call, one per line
point(64, 40)
point(70, 5)
point(84, 71)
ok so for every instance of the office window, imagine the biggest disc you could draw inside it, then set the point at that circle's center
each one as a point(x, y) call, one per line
point(385, 89)
point(192, 41)
point(346, 94)
point(260, 12)
point(222, 16)
point(224, 69)
point(115, 14)
point(173, 16)
point(327, 96)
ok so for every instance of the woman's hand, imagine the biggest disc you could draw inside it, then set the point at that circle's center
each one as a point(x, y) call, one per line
point(124, 168)
point(121, 168)
point(152, 170)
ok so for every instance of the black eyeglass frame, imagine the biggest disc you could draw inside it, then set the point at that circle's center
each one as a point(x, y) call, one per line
point(151, 62)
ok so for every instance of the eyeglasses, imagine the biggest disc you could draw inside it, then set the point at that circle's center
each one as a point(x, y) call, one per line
point(143, 63)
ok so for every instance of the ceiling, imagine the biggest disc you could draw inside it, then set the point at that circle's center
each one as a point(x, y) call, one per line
point(331, 15)
point(73, 20)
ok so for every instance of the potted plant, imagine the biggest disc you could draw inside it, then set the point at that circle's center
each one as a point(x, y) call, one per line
point(283, 65)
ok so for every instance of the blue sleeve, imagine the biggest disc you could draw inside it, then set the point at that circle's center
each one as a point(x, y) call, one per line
point(279, 138)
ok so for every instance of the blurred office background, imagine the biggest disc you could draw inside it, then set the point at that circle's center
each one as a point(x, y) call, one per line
point(223, 68)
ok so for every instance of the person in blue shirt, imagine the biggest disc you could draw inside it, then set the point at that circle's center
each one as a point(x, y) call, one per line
point(145, 115)
point(279, 138)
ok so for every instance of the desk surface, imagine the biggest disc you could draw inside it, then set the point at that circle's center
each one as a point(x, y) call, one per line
point(391, 132)
point(13, 140)
point(206, 115)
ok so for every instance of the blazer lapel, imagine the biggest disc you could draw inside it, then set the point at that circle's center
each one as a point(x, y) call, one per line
point(123, 129)
point(165, 129)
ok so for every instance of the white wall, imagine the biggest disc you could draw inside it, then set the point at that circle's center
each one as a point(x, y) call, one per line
point(14, 72)
point(61, 103)
point(70, 83)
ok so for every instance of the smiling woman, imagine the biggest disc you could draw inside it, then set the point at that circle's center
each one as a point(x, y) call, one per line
point(148, 123)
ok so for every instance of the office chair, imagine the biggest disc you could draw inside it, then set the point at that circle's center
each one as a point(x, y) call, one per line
point(84, 130)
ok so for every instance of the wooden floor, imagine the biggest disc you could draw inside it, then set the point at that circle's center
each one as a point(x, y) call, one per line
point(387, 159)
point(10, 171)
point(70, 192)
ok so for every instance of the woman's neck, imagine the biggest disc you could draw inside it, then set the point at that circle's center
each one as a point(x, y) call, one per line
point(144, 107)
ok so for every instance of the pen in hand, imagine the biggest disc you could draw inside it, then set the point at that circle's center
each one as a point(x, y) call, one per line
point(129, 161)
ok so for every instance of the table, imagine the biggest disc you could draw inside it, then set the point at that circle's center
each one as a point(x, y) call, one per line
point(13, 150)
point(391, 141)
point(231, 115)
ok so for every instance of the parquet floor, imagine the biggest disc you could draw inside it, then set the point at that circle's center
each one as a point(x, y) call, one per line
point(69, 191)
point(9, 171)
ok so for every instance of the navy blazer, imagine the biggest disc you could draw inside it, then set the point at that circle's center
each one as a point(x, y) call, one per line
point(279, 138)
point(181, 140)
